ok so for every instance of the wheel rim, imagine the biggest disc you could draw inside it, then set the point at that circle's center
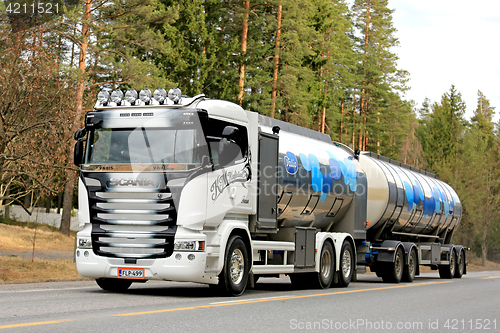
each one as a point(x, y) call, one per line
point(411, 268)
point(346, 263)
point(237, 266)
point(397, 264)
point(326, 264)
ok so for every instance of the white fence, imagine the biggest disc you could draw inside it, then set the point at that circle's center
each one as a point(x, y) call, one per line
point(40, 216)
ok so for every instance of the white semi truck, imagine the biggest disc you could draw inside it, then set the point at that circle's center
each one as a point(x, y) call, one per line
point(195, 189)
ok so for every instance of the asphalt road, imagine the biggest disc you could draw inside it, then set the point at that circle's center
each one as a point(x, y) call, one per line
point(429, 304)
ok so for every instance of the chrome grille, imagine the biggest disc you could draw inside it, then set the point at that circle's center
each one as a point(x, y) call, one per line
point(132, 224)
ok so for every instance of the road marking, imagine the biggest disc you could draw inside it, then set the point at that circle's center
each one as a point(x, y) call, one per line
point(38, 323)
point(35, 290)
point(251, 299)
point(492, 277)
point(274, 299)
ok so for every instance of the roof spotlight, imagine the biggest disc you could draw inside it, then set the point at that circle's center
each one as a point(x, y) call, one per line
point(131, 96)
point(159, 95)
point(117, 96)
point(145, 96)
point(103, 97)
point(175, 95)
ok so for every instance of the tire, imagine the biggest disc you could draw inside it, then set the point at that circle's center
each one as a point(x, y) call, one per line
point(411, 269)
point(116, 285)
point(234, 276)
point(323, 279)
point(394, 270)
point(346, 265)
point(460, 265)
point(448, 271)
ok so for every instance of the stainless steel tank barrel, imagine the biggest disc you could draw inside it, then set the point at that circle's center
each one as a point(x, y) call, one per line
point(404, 200)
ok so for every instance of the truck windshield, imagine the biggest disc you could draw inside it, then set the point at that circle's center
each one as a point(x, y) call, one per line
point(145, 146)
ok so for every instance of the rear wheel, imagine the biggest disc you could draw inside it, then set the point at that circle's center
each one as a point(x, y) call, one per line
point(116, 285)
point(460, 267)
point(346, 265)
point(234, 277)
point(323, 279)
point(394, 270)
point(448, 271)
point(410, 269)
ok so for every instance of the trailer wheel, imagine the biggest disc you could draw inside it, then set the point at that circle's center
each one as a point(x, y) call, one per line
point(394, 270)
point(234, 276)
point(410, 269)
point(346, 265)
point(460, 266)
point(116, 285)
point(448, 271)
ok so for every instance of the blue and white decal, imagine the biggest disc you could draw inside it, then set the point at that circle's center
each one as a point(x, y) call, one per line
point(291, 163)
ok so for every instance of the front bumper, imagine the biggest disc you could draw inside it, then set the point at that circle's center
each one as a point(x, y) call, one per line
point(177, 267)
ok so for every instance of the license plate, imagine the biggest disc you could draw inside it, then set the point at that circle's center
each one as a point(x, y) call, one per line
point(131, 273)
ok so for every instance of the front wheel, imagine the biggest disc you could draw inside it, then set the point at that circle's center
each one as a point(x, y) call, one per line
point(346, 265)
point(234, 276)
point(116, 285)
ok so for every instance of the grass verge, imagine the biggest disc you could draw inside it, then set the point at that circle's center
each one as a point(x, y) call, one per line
point(21, 270)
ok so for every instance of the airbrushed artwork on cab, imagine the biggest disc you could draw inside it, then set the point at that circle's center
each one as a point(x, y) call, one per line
point(322, 181)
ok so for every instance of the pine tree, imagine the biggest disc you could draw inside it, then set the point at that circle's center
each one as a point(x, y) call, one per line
point(441, 133)
point(110, 32)
point(378, 78)
point(479, 186)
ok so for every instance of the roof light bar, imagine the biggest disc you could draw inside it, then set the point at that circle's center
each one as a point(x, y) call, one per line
point(144, 97)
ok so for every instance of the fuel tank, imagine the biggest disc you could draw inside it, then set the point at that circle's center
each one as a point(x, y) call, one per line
point(406, 201)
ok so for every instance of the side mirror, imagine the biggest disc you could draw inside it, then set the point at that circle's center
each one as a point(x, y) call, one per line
point(80, 133)
point(78, 153)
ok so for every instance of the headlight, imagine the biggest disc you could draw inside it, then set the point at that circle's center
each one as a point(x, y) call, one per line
point(159, 95)
point(84, 243)
point(131, 96)
point(145, 96)
point(175, 95)
point(189, 246)
point(103, 97)
point(117, 96)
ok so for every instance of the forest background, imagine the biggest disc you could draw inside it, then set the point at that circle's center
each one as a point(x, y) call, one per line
point(329, 65)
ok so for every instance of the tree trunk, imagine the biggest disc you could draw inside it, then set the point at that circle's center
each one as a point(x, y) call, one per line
point(67, 203)
point(59, 201)
point(48, 204)
point(244, 37)
point(7, 203)
point(70, 174)
point(276, 62)
point(341, 119)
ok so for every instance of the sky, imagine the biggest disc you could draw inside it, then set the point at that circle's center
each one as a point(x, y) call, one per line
point(450, 42)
